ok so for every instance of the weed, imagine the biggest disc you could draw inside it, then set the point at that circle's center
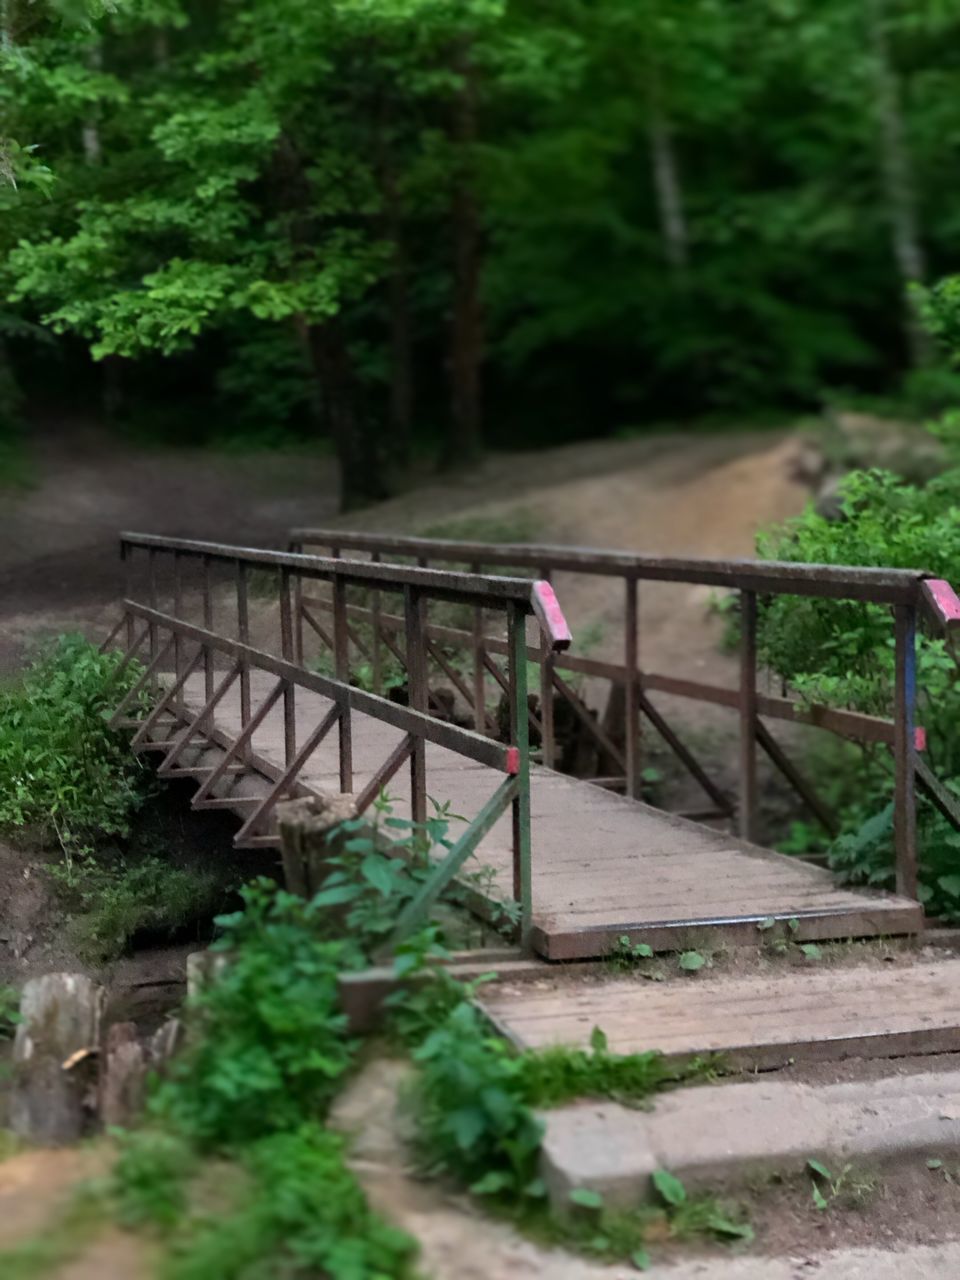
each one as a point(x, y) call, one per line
point(304, 1215)
point(9, 1011)
point(627, 955)
point(63, 772)
point(780, 938)
point(271, 1040)
point(150, 1177)
point(692, 961)
point(849, 1188)
point(113, 902)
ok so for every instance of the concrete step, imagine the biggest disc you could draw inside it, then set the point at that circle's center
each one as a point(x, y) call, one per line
point(721, 1136)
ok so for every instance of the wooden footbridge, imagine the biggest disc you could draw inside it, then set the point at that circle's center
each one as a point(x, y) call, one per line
point(268, 674)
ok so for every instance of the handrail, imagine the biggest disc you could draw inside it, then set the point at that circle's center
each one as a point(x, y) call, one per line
point(468, 588)
point(911, 593)
point(858, 582)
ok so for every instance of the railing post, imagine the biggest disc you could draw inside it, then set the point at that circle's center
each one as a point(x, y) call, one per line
point(748, 715)
point(631, 692)
point(208, 658)
point(297, 549)
point(152, 590)
point(479, 671)
point(126, 555)
point(178, 614)
point(376, 652)
point(287, 652)
point(904, 748)
point(520, 738)
point(243, 635)
point(417, 696)
point(341, 663)
point(547, 663)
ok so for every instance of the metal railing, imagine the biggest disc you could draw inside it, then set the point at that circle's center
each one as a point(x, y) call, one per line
point(188, 613)
point(907, 592)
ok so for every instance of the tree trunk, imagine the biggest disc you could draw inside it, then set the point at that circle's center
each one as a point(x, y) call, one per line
point(666, 180)
point(362, 472)
point(90, 132)
point(398, 302)
point(465, 442)
point(896, 169)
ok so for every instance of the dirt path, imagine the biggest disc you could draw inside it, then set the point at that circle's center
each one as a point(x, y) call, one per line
point(702, 494)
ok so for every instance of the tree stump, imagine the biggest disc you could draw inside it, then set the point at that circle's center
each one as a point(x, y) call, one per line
point(123, 1076)
point(54, 1058)
point(305, 827)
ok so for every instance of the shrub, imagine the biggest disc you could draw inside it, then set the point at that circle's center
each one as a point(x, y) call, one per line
point(270, 1045)
point(63, 772)
point(842, 653)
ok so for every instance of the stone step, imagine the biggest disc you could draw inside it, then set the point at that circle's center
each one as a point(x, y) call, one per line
point(721, 1136)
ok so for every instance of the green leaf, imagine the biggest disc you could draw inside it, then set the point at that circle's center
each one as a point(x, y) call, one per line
point(691, 961)
point(811, 951)
point(585, 1198)
point(819, 1199)
point(640, 1259)
point(821, 1170)
point(598, 1040)
point(768, 923)
point(669, 1188)
point(492, 1183)
point(934, 1164)
point(377, 871)
point(950, 884)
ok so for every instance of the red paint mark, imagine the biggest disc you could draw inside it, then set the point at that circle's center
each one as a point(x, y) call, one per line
point(551, 615)
point(920, 738)
point(513, 760)
point(944, 599)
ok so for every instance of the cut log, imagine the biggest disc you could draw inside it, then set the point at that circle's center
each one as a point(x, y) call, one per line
point(123, 1076)
point(305, 838)
point(55, 1054)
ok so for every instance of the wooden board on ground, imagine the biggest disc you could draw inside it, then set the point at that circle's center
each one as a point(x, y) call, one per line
point(603, 866)
point(763, 1020)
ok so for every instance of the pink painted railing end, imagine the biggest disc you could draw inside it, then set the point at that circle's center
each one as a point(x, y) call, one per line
point(547, 609)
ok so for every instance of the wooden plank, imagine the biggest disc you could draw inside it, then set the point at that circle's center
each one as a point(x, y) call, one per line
point(603, 865)
point(759, 1020)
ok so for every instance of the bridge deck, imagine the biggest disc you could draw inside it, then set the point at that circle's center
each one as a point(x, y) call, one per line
point(603, 866)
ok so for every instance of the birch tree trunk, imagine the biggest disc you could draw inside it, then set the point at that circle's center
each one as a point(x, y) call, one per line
point(896, 170)
point(465, 442)
point(666, 179)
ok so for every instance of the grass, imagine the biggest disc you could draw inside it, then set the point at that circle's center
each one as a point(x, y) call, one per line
point(512, 526)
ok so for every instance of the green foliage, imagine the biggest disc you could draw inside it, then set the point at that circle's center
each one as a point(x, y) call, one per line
point(304, 1215)
point(112, 900)
point(150, 1177)
point(271, 1047)
point(841, 653)
point(63, 772)
point(627, 955)
point(476, 1099)
point(9, 1011)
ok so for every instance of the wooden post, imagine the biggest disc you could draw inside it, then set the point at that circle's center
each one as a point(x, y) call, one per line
point(287, 652)
point(152, 597)
point(341, 661)
point(297, 548)
point(243, 635)
point(208, 658)
point(634, 784)
point(305, 827)
point(748, 715)
point(418, 697)
point(904, 748)
point(479, 671)
point(520, 741)
point(547, 663)
point(377, 638)
point(54, 1058)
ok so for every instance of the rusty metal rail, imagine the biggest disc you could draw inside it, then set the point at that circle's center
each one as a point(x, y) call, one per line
point(907, 592)
point(191, 611)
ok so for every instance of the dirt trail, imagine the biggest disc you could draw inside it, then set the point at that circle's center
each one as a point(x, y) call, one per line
point(678, 493)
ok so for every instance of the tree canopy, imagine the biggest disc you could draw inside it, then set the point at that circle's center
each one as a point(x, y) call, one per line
point(455, 222)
